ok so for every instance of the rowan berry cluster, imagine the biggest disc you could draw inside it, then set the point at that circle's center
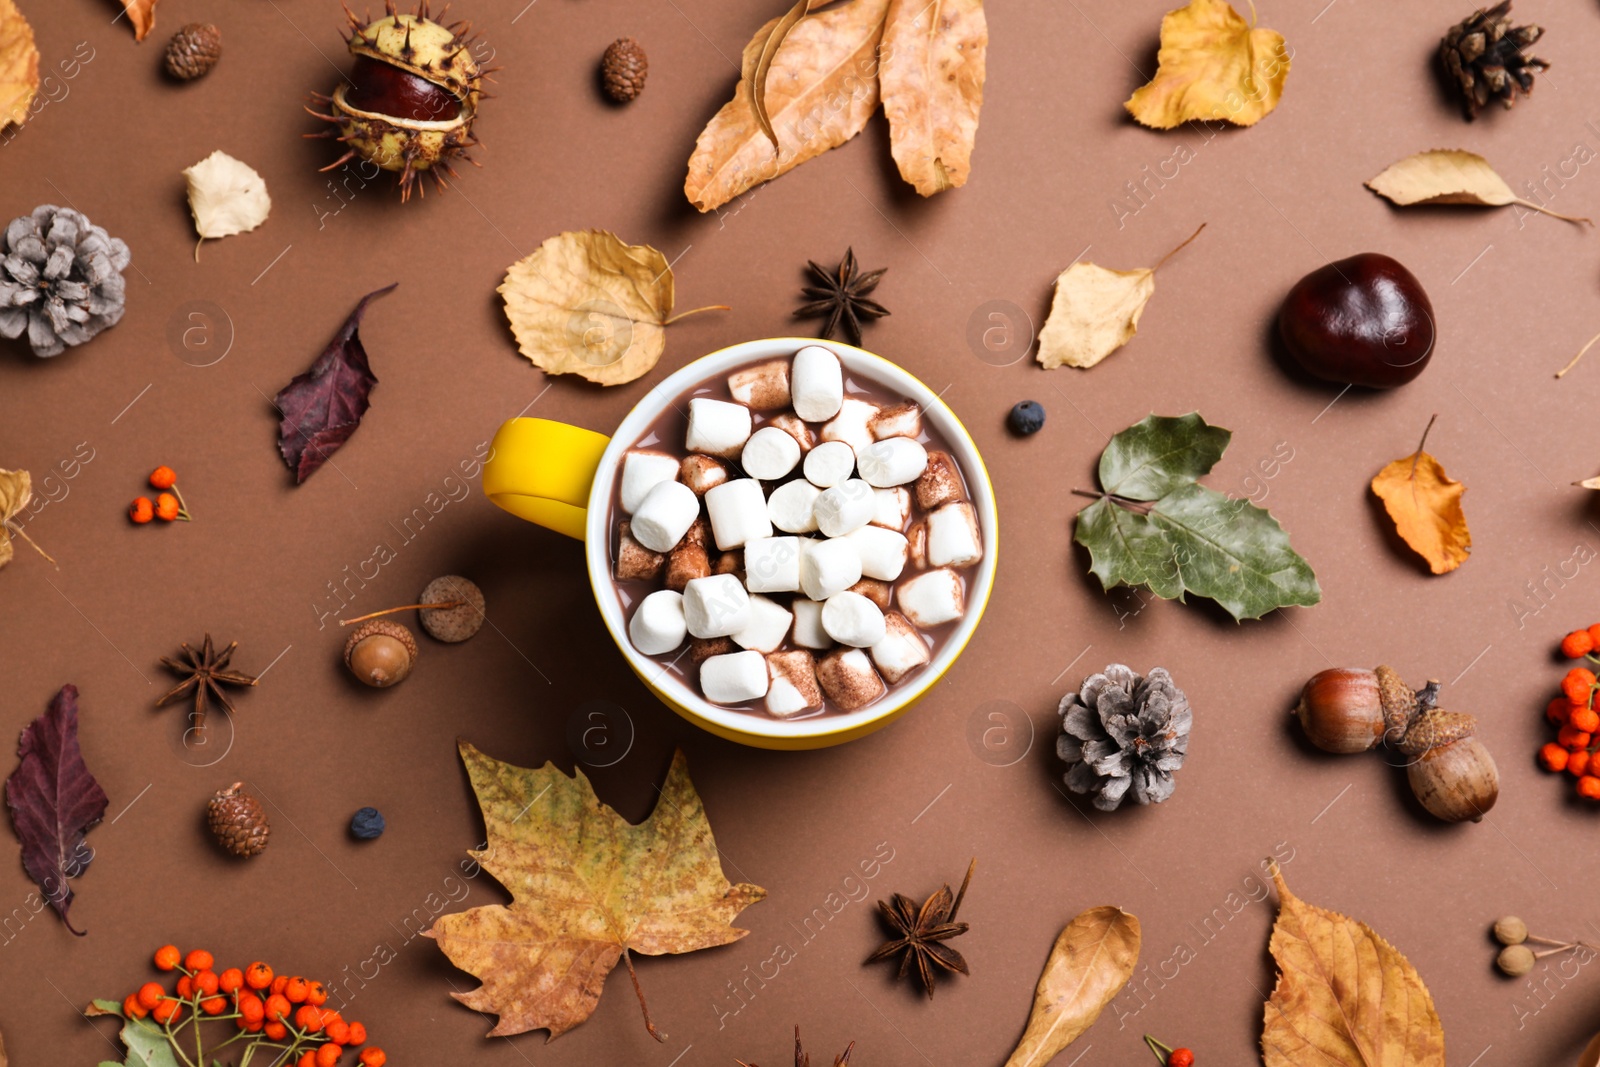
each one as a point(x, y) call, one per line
point(168, 505)
point(1575, 718)
point(281, 1013)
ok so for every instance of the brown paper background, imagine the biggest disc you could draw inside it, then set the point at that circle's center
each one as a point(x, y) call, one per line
point(1514, 299)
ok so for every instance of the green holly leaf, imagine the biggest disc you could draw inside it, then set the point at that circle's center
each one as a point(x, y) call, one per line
point(1158, 527)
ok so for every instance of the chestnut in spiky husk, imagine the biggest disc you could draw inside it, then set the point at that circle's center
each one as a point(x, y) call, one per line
point(409, 102)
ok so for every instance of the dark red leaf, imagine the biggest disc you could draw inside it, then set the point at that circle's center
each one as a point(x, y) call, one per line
point(53, 799)
point(321, 408)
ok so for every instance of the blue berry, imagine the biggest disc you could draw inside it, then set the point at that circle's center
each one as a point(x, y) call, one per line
point(367, 824)
point(1026, 418)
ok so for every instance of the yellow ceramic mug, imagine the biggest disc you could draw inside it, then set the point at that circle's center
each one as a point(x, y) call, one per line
point(562, 477)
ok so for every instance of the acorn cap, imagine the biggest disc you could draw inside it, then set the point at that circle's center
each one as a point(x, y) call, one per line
point(452, 624)
point(380, 628)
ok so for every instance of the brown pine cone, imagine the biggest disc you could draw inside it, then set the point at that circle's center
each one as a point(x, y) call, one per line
point(623, 69)
point(238, 821)
point(193, 50)
point(1483, 57)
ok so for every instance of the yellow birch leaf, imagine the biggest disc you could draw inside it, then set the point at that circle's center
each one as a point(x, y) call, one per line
point(19, 65)
point(931, 77)
point(1450, 176)
point(226, 197)
point(820, 89)
point(1345, 997)
point(1092, 960)
point(1212, 66)
point(1425, 505)
point(16, 489)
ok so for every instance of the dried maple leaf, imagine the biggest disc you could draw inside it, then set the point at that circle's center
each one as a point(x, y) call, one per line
point(321, 408)
point(1451, 176)
point(1425, 504)
point(54, 800)
point(1092, 960)
point(142, 15)
point(1345, 997)
point(19, 65)
point(226, 197)
point(1095, 311)
point(821, 87)
point(587, 887)
point(587, 303)
point(1212, 66)
point(931, 78)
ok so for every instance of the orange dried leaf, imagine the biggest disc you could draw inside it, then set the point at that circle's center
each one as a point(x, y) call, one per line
point(1425, 504)
point(931, 77)
point(19, 65)
point(142, 15)
point(1213, 66)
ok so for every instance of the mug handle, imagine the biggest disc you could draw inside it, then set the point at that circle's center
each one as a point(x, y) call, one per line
point(542, 471)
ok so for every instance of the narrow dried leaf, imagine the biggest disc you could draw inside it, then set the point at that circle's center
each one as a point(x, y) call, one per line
point(19, 69)
point(1450, 176)
point(226, 197)
point(16, 489)
point(141, 15)
point(931, 78)
point(1345, 997)
point(587, 886)
point(821, 88)
point(759, 62)
point(1092, 960)
point(1213, 66)
point(1425, 505)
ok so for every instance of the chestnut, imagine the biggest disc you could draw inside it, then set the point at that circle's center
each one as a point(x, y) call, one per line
point(1360, 321)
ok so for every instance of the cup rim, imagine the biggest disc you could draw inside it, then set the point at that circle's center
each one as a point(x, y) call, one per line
point(680, 694)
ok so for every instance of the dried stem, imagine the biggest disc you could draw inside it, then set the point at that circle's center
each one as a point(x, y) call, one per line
point(406, 607)
point(1579, 219)
point(14, 528)
point(1417, 455)
point(649, 1026)
point(960, 895)
point(696, 311)
point(1161, 1049)
point(1175, 251)
point(1579, 356)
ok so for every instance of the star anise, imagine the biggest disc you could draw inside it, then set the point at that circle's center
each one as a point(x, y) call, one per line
point(207, 673)
point(802, 1060)
point(923, 931)
point(842, 297)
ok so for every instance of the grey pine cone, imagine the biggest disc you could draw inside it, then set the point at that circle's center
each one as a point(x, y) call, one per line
point(60, 279)
point(1121, 733)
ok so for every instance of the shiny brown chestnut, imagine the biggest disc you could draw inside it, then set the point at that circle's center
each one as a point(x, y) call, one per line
point(1364, 321)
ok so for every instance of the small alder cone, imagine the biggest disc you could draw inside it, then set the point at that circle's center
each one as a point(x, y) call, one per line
point(238, 821)
point(193, 51)
point(623, 69)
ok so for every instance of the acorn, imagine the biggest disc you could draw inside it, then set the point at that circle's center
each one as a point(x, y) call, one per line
point(238, 821)
point(380, 653)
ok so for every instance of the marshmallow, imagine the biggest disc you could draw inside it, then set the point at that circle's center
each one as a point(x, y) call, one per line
point(829, 464)
point(687, 562)
point(817, 381)
point(931, 598)
point(850, 425)
point(793, 689)
point(846, 507)
point(792, 506)
point(702, 472)
point(768, 626)
point(791, 424)
point(772, 564)
point(657, 625)
point(703, 648)
point(892, 461)
point(770, 454)
point(893, 508)
point(734, 678)
point(738, 511)
point(953, 537)
point(940, 483)
point(880, 593)
point(764, 387)
point(717, 606)
point(917, 545)
point(828, 567)
point(902, 420)
point(717, 427)
point(634, 561)
point(882, 552)
point(641, 472)
point(852, 619)
point(848, 679)
point(902, 649)
point(665, 515)
point(808, 631)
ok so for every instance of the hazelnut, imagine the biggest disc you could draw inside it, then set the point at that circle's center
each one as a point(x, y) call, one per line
point(457, 623)
point(380, 653)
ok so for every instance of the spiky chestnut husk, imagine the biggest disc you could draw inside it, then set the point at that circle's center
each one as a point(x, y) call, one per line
point(410, 100)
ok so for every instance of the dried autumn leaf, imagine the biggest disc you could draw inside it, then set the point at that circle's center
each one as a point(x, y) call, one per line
point(1450, 176)
point(1345, 997)
point(587, 888)
point(759, 62)
point(1095, 311)
point(586, 303)
point(1425, 505)
point(226, 197)
point(931, 79)
point(54, 800)
point(16, 489)
point(1092, 960)
point(19, 67)
point(1212, 66)
point(820, 90)
point(1590, 1057)
point(142, 15)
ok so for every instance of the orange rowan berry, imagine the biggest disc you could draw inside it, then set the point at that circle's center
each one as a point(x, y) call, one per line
point(142, 511)
point(1556, 712)
point(358, 1034)
point(1578, 763)
point(307, 1059)
point(1554, 757)
point(277, 1008)
point(328, 1055)
point(295, 989)
point(186, 987)
point(204, 983)
point(1594, 633)
point(163, 478)
point(1589, 787)
point(309, 1018)
point(1585, 719)
point(373, 1057)
point(317, 993)
point(258, 975)
point(214, 1005)
point(167, 510)
point(278, 983)
point(251, 1010)
point(132, 1008)
point(167, 956)
point(149, 995)
point(1577, 644)
point(1571, 739)
point(168, 1011)
point(250, 1028)
point(275, 1031)
point(230, 980)
point(1578, 685)
point(338, 1031)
